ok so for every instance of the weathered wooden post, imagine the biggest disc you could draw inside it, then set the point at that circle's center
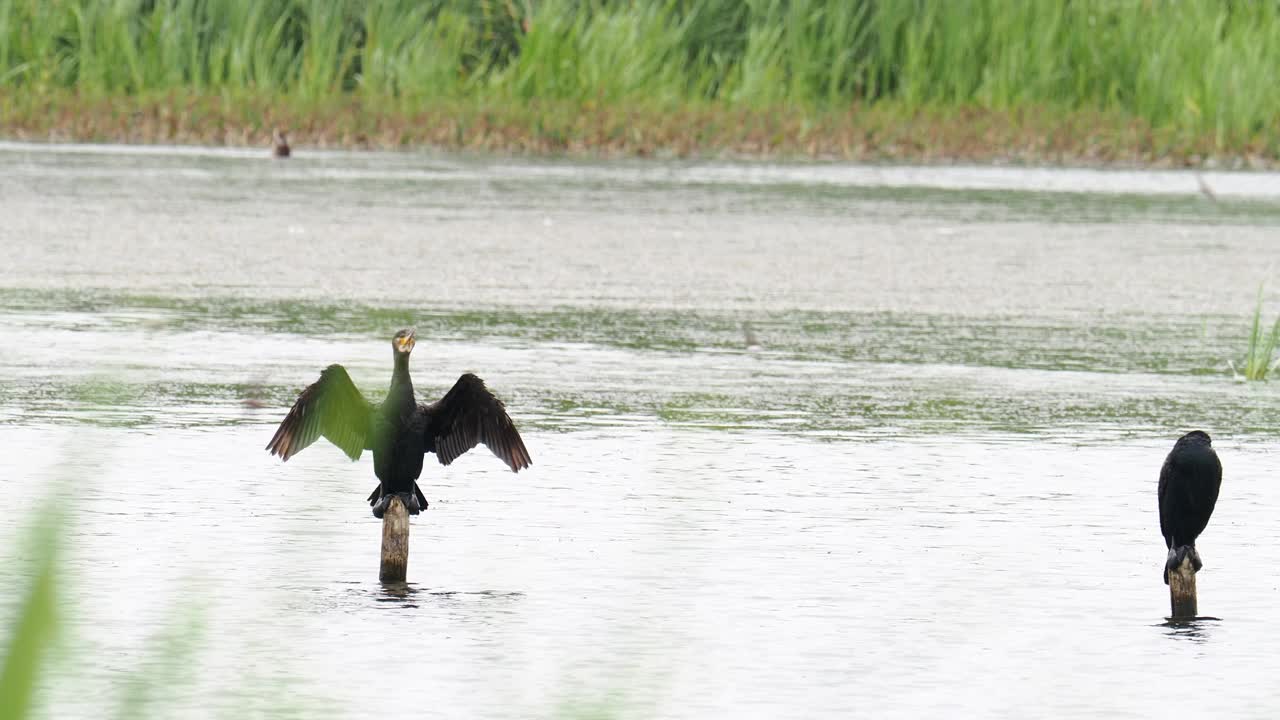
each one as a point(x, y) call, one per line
point(395, 543)
point(1182, 590)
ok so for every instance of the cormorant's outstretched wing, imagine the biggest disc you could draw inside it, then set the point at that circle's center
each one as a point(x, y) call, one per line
point(332, 407)
point(467, 415)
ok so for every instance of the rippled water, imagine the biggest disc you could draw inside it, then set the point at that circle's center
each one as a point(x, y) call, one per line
point(929, 490)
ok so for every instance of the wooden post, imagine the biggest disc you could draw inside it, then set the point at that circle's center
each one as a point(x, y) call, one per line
point(395, 542)
point(1182, 590)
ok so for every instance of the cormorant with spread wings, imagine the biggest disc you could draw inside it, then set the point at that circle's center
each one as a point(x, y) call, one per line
point(399, 431)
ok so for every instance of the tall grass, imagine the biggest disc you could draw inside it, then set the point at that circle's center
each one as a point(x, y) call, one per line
point(1258, 360)
point(1193, 67)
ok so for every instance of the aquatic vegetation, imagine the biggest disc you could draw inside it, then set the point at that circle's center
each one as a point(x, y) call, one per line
point(1262, 345)
point(1095, 79)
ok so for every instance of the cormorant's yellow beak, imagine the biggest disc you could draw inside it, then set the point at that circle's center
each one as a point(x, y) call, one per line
point(405, 343)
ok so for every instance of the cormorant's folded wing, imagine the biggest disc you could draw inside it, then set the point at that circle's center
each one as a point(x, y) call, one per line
point(332, 407)
point(1165, 502)
point(468, 415)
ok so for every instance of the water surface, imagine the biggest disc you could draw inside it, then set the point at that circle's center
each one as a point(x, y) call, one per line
point(928, 487)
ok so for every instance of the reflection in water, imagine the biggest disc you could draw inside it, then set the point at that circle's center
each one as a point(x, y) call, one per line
point(1197, 629)
point(399, 594)
point(407, 594)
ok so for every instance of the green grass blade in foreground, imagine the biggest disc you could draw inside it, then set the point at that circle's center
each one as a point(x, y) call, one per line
point(34, 628)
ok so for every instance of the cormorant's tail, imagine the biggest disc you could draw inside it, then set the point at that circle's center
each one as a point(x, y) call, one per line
point(376, 495)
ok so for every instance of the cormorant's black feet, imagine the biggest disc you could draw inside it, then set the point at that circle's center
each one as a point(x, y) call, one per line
point(410, 502)
point(409, 499)
point(1176, 556)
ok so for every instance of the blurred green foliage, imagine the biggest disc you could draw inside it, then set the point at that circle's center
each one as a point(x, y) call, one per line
point(34, 628)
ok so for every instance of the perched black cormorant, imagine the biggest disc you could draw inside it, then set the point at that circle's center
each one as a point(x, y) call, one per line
point(1189, 483)
point(399, 431)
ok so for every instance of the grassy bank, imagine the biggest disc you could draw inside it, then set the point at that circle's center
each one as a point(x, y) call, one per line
point(1106, 80)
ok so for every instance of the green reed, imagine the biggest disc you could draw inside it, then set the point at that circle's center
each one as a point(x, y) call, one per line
point(1197, 67)
point(1262, 346)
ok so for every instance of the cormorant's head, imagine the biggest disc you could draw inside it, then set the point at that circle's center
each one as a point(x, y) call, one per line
point(1199, 437)
point(403, 341)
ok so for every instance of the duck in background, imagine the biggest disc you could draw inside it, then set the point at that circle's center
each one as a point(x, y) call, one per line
point(280, 143)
